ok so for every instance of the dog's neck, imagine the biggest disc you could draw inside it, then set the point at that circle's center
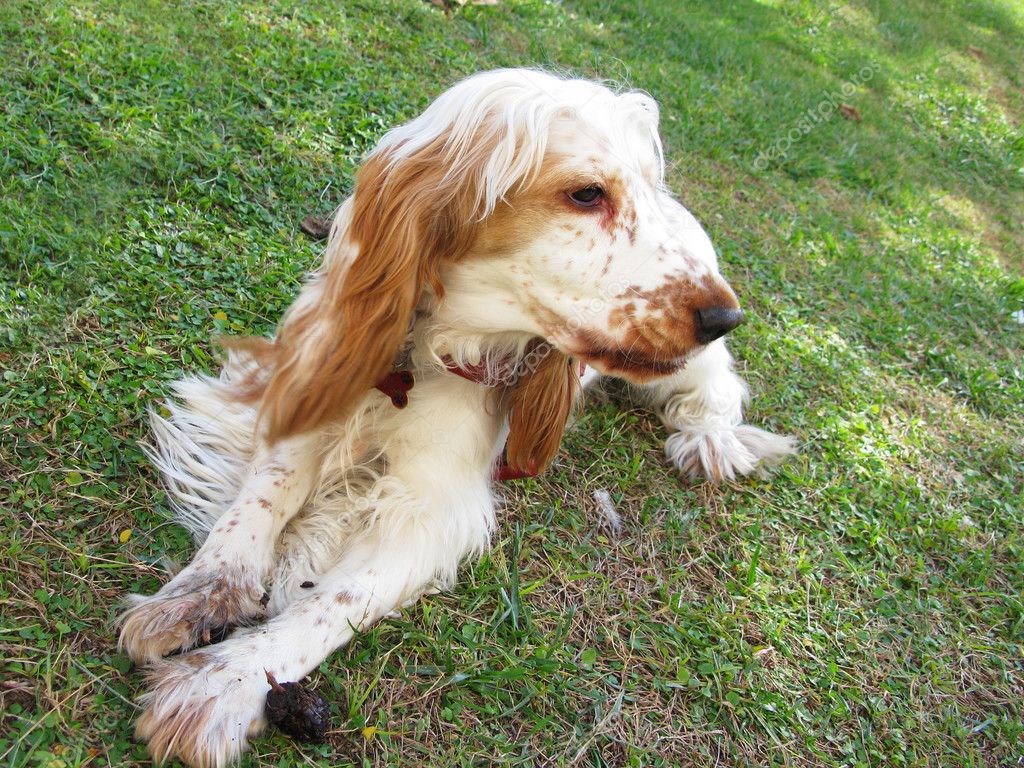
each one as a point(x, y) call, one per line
point(446, 345)
point(502, 363)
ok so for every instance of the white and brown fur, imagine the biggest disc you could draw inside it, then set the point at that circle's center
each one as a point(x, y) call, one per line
point(461, 243)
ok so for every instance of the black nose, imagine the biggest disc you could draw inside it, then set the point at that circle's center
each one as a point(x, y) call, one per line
point(715, 322)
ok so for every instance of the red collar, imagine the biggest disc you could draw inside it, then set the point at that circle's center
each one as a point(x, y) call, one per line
point(506, 373)
point(396, 385)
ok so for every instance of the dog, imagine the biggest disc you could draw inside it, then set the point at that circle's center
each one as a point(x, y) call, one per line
point(516, 233)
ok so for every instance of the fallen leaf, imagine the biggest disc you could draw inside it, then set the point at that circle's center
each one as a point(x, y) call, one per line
point(125, 535)
point(850, 112)
point(316, 227)
point(449, 5)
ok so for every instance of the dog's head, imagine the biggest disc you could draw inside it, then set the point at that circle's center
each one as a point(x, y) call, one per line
point(586, 248)
point(526, 204)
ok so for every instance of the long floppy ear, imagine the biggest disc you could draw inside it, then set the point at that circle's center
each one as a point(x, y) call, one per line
point(540, 404)
point(405, 218)
point(418, 201)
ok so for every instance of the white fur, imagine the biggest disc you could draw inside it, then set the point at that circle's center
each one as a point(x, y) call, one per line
point(702, 407)
point(370, 512)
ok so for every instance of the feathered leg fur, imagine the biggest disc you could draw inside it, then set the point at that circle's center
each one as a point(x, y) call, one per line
point(416, 523)
point(702, 407)
point(223, 585)
point(235, 495)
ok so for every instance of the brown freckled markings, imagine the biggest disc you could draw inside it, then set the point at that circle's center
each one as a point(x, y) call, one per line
point(265, 503)
point(634, 354)
point(607, 264)
point(645, 346)
point(196, 660)
point(629, 223)
point(344, 597)
point(623, 316)
point(655, 301)
point(320, 621)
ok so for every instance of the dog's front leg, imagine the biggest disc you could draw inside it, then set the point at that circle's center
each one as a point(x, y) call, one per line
point(702, 407)
point(203, 706)
point(433, 509)
point(223, 585)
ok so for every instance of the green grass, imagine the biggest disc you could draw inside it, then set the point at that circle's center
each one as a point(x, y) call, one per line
point(862, 606)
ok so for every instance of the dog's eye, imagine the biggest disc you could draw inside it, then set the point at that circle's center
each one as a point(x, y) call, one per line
point(587, 197)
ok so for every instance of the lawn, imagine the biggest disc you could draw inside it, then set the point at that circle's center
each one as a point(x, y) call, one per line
point(860, 167)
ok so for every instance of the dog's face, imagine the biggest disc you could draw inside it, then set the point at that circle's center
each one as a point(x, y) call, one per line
point(593, 254)
point(525, 205)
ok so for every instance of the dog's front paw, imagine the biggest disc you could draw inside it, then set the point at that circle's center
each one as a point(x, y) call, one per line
point(202, 708)
point(724, 453)
point(190, 610)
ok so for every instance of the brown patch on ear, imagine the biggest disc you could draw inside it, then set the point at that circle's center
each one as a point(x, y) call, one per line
point(406, 218)
point(540, 404)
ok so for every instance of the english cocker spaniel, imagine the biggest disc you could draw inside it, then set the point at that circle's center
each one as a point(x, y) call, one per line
point(516, 232)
